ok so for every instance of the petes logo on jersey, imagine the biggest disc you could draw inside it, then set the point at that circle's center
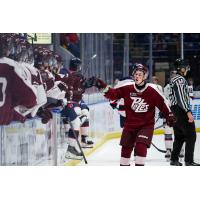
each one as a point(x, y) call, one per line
point(139, 105)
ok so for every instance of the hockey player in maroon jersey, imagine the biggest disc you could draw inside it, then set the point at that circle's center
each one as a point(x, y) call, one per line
point(44, 61)
point(140, 100)
point(22, 53)
point(15, 86)
point(24, 56)
point(75, 111)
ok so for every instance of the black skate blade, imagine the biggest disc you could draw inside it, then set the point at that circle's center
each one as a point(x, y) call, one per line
point(86, 147)
point(73, 158)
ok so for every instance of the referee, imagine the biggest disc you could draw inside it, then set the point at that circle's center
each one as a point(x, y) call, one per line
point(184, 128)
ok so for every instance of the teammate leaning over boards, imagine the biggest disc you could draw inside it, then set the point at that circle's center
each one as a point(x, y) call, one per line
point(76, 112)
point(184, 128)
point(140, 100)
point(15, 87)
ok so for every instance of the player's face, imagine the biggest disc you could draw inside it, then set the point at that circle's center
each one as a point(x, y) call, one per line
point(155, 81)
point(138, 77)
point(185, 70)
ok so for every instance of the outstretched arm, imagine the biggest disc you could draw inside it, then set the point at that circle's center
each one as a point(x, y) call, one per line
point(109, 93)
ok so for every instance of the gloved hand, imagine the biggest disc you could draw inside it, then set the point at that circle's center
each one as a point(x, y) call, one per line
point(45, 114)
point(87, 83)
point(100, 84)
point(113, 105)
point(171, 120)
point(77, 95)
point(62, 86)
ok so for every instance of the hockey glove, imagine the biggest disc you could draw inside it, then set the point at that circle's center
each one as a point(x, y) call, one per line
point(100, 84)
point(88, 83)
point(45, 114)
point(77, 95)
point(171, 120)
point(113, 105)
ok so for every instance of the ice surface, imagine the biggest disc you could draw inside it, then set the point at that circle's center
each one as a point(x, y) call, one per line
point(109, 153)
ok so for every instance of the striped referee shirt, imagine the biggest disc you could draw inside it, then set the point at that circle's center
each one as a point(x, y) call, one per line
point(179, 94)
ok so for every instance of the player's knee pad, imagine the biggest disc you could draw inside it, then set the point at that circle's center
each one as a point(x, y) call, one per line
point(84, 121)
point(85, 112)
point(77, 110)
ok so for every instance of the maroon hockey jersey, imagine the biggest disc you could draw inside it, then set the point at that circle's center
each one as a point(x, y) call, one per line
point(48, 79)
point(13, 92)
point(75, 90)
point(139, 104)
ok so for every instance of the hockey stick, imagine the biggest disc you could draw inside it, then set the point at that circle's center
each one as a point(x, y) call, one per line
point(160, 150)
point(87, 65)
point(71, 125)
point(157, 120)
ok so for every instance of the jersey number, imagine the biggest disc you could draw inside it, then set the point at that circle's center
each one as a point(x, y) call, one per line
point(3, 84)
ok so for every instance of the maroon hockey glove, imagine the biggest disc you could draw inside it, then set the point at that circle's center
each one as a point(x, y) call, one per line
point(100, 84)
point(77, 95)
point(171, 120)
point(45, 114)
point(113, 105)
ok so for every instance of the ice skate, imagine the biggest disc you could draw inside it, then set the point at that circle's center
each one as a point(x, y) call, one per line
point(86, 142)
point(72, 153)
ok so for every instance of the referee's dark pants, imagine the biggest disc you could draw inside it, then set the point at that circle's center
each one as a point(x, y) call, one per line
point(183, 132)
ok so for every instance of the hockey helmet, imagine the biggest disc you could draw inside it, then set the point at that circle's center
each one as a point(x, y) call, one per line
point(180, 63)
point(75, 64)
point(140, 67)
point(6, 44)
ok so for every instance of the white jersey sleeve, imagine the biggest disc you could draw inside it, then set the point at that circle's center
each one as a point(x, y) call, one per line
point(167, 91)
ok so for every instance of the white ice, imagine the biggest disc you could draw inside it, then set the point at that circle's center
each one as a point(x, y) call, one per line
point(109, 154)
